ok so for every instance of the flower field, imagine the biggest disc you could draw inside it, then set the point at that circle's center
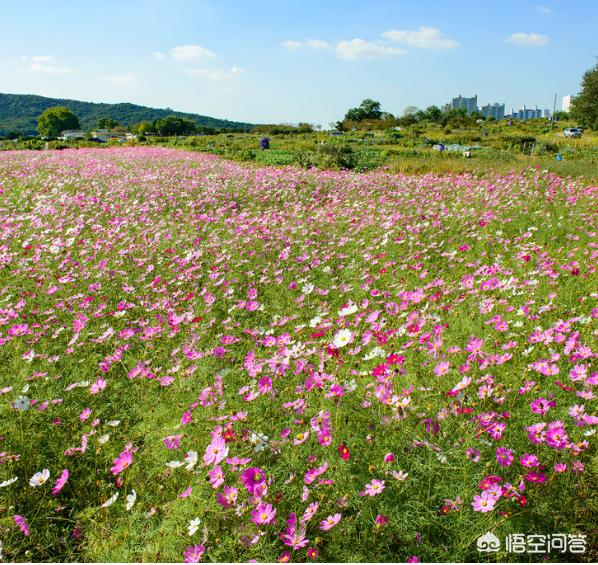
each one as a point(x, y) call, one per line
point(205, 360)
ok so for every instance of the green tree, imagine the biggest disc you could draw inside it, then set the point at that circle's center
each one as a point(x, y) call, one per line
point(584, 107)
point(433, 113)
point(173, 125)
point(107, 123)
point(368, 110)
point(55, 120)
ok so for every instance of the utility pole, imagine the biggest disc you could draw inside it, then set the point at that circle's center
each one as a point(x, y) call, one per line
point(553, 111)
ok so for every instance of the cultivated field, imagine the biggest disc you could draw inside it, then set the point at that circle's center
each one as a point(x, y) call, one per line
point(208, 360)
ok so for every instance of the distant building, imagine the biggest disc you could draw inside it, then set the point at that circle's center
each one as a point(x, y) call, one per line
point(567, 103)
point(108, 134)
point(470, 105)
point(526, 113)
point(72, 134)
point(496, 111)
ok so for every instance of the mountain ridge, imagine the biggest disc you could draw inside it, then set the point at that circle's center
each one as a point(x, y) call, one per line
point(19, 114)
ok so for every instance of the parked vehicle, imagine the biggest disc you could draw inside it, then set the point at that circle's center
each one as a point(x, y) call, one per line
point(573, 132)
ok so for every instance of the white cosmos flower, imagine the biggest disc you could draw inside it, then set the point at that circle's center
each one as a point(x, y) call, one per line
point(103, 439)
point(21, 403)
point(193, 526)
point(113, 423)
point(376, 352)
point(111, 500)
point(39, 478)
point(174, 464)
point(25, 389)
point(342, 338)
point(191, 459)
point(400, 475)
point(315, 321)
point(308, 288)
point(131, 498)
point(9, 482)
point(348, 310)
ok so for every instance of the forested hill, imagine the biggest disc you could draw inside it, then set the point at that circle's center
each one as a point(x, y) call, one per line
point(19, 114)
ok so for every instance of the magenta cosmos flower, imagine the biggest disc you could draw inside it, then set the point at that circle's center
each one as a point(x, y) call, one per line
point(253, 478)
point(122, 462)
point(193, 553)
point(504, 456)
point(263, 514)
point(23, 526)
point(60, 481)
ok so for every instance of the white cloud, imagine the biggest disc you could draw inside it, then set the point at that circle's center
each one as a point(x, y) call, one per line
point(528, 39)
point(361, 49)
point(312, 44)
point(126, 79)
point(423, 38)
point(43, 64)
point(38, 58)
point(191, 53)
point(158, 56)
point(544, 10)
point(216, 74)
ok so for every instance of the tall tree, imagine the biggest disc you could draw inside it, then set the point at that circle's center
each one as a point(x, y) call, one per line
point(55, 120)
point(584, 106)
point(367, 110)
point(107, 123)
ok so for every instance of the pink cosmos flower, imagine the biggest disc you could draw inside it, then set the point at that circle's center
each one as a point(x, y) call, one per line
point(310, 511)
point(122, 462)
point(60, 481)
point(193, 553)
point(228, 497)
point(23, 526)
point(556, 435)
point(484, 502)
point(216, 476)
point(372, 489)
point(330, 522)
point(541, 405)
point(535, 477)
point(442, 368)
point(215, 452)
point(172, 442)
point(98, 386)
point(529, 460)
point(186, 493)
point(263, 514)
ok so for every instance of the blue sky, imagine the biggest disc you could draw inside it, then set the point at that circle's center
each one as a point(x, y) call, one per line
point(291, 61)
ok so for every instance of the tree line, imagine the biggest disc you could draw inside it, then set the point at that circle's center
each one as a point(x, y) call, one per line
point(53, 121)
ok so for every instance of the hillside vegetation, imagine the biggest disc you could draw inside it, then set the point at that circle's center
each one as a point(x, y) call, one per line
point(19, 114)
